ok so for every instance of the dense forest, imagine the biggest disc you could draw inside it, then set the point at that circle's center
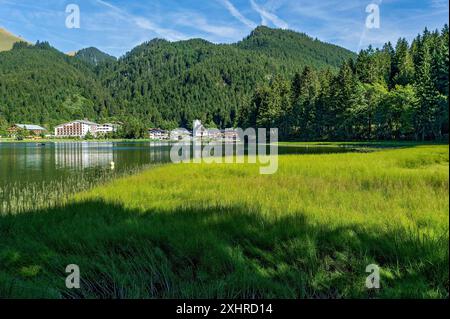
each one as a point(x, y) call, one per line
point(159, 83)
point(272, 78)
point(41, 85)
point(172, 84)
point(396, 92)
point(94, 56)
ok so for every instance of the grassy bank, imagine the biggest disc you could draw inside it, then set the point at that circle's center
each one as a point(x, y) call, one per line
point(225, 231)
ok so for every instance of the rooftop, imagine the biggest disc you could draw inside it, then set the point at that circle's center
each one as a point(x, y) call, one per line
point(31, 127)
point(79, 121)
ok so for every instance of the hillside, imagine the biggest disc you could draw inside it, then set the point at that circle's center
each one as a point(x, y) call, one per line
point(39, 84)
point(7, 40)
point(93, 56)
point(294, 46)
point(179, 81)
point(160, 83)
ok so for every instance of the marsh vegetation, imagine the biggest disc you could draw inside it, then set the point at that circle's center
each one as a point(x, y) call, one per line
point(205, 231)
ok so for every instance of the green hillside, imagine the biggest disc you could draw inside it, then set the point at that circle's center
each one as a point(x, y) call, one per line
point(181, 81)
point(93, 56)
point(39, 84)
point(273, 78)
point(291, 46)
point(160, 83)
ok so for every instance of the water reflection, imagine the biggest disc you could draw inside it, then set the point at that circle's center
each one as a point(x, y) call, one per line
point(26, 163)
point(83, 155)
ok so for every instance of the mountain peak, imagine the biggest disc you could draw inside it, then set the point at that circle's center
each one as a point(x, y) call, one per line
point(280, 43)
point(93, 56)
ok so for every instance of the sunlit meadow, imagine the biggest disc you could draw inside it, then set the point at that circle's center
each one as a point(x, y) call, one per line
point(202, 231)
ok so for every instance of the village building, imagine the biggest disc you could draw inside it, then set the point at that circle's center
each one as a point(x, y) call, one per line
point(107, 128)
point(180, 134)
point(76, 129)
point(215, 134)
point(31, 129)
point(199, 130)
point(231, 135)
point(158, 134)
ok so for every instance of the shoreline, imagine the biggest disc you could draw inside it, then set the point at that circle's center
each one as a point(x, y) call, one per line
point(162, 219)
point(281, 143)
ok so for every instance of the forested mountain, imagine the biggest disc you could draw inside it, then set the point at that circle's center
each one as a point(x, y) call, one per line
point(174, 83)
point(94, 56)
point(272, 78)
point(41, 85)
point(293, 47)
point(7, 40)
point(391, 93)
point(159, 83)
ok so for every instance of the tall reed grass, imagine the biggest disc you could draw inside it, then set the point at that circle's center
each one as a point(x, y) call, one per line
point(224, 231)
point(17, 198)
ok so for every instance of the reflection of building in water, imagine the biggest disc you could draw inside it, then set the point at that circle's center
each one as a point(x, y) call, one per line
point(159, 152)
point(83, 155)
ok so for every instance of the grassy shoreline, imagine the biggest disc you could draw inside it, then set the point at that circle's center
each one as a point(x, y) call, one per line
point(208, 231)
point(281, 143)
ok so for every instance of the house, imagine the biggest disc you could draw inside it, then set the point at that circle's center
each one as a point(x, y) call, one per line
point(30, 128)
point(215, 134)
point(180, 134)
point(158, 134)
point(199, 130)
point(76, 129)
point(231, 135)
point(107, 128)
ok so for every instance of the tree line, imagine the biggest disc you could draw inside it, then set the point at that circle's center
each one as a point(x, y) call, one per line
point(390, 93)
point(310, 90)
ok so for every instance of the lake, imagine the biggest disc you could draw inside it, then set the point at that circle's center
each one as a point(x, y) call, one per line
point(34, 174)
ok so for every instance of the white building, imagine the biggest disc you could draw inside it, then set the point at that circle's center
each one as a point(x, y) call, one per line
point(180, 134)
point(106, 128)
point(76, 129)
point(199, 130)
point(231, 135)
point(158, 134)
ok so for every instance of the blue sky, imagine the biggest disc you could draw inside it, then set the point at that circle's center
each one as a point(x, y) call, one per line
point(116, 26)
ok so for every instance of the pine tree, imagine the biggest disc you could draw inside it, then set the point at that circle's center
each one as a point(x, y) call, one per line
point(402, 66)
point(306, 89)
point(343, 90)
point(429, 97)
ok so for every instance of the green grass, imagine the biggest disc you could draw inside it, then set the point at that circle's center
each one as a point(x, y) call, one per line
point(204, 231)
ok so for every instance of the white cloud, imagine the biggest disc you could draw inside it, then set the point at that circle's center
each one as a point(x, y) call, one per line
point(235, 13)
point(199, 22)
point(144, 23)
point(439, 4)
point(267, 16)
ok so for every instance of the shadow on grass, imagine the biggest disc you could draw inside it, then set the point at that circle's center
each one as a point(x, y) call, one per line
point(220, 252)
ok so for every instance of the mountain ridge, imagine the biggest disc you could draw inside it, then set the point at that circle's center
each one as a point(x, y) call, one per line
point(159, 82)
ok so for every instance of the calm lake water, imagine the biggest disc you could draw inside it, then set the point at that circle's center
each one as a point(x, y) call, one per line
point(34, 170)
point(33, 162)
